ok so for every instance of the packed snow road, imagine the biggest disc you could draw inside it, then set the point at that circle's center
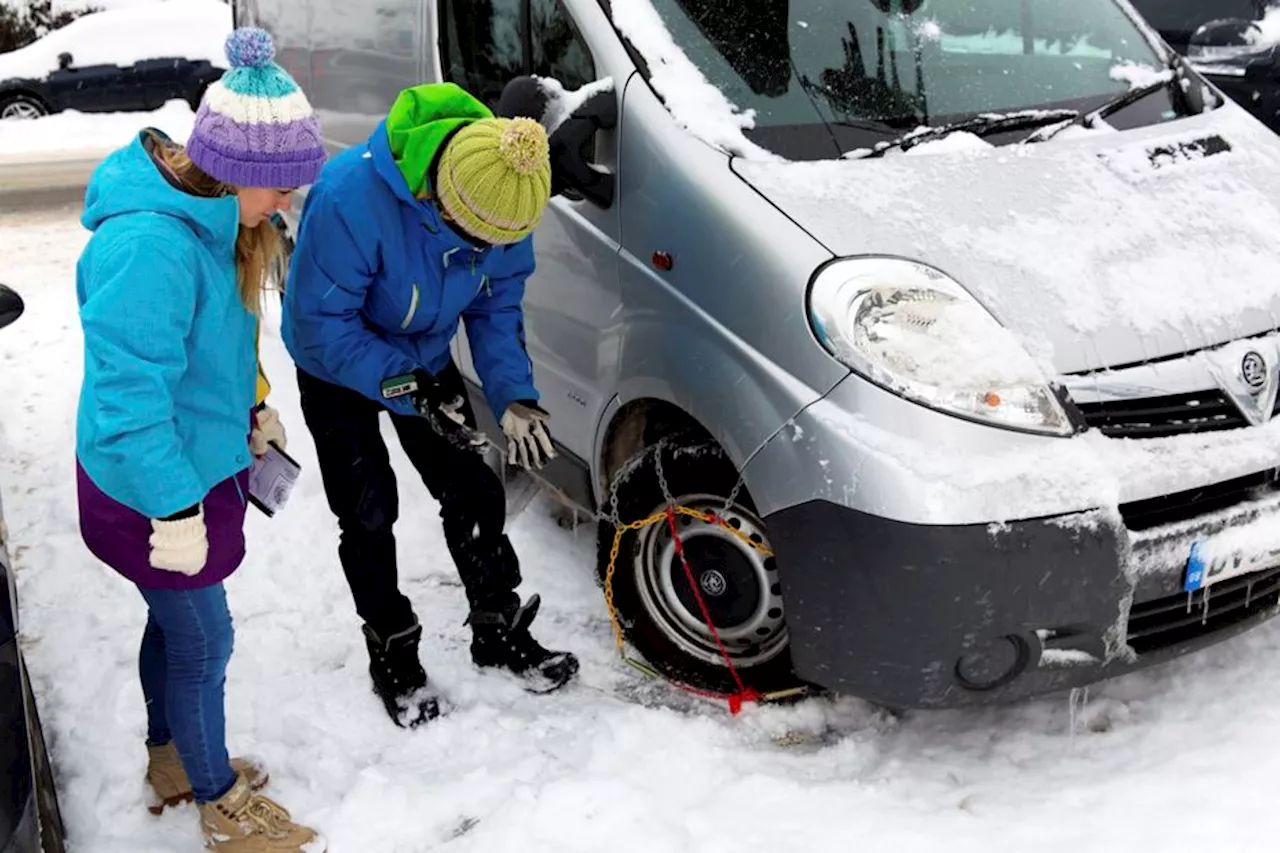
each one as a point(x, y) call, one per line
point(1180, 758)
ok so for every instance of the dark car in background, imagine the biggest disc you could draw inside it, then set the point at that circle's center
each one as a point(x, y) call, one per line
point(143, 86)
point(133, 58)
point(29, 817)
point(1231, 42)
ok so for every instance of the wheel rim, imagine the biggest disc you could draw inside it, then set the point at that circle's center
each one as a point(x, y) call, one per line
point(737, 582)
point(20, 110)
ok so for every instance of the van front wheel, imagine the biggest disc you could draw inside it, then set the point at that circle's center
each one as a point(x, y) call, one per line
point(736, 575)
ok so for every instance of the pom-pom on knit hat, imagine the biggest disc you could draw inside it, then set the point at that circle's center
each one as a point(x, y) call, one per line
point(494, 178)
point(255, 127)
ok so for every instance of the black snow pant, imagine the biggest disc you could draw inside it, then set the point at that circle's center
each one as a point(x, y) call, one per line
point(361, 489)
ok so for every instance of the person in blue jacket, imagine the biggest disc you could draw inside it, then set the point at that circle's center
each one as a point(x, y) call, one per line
point(425, 226)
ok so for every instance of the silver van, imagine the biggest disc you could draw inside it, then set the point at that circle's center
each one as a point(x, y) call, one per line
point(979, 299)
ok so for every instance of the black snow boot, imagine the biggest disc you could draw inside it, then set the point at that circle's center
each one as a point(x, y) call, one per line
point(399, 679)
point(503, 640)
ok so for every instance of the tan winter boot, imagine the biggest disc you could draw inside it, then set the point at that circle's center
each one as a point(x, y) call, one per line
point(245, 822)
point(169, 783)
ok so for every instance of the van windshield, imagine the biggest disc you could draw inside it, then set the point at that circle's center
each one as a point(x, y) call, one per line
point(824, 77)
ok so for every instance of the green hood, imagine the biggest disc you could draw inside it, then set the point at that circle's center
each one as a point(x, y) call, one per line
point(419, 122)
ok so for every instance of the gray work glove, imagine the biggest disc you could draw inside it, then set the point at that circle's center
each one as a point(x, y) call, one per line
point(528, 442)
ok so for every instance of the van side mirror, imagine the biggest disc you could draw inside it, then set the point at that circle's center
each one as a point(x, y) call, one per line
point(11, 306)
point(571, 144)
point(64, 60)
point(572, 174)
point(1225, 38)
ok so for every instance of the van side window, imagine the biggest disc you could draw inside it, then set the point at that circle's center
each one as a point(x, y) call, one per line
point(483, 44)
point(559, 50)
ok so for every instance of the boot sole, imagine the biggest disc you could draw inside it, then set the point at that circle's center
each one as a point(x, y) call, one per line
point(190, 797)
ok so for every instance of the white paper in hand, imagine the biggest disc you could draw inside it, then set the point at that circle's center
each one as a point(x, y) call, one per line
point(271, 480)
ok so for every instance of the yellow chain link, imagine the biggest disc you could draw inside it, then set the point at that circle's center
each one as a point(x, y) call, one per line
point(621, 530)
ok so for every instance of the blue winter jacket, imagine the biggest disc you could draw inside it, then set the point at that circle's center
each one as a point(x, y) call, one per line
point(169, 360)
point(379, 282)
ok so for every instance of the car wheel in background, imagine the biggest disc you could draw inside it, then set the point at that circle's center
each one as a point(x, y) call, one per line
point(17, 107)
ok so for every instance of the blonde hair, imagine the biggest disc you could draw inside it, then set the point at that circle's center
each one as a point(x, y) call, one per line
point(258, 250)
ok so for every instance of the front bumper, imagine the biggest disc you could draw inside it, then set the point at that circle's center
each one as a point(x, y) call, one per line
point(917, 616)
point(900, 589)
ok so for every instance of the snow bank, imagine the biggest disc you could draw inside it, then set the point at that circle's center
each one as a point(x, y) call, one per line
point(194, 29)
point(696, 104)
point(1007, 42)
point(91, 132)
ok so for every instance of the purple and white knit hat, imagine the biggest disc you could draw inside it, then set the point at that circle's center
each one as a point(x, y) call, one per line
point(255, 127)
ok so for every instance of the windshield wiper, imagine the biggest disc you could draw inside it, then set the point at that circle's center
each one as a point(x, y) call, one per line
point(1090, 118)
point(980, 125)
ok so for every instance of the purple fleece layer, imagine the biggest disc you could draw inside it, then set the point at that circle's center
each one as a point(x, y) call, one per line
point(120, 536)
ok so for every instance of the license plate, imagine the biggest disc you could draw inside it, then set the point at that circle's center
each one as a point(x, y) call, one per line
point(1215, 561)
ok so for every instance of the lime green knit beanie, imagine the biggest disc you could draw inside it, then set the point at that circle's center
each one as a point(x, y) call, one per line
point(495, 178)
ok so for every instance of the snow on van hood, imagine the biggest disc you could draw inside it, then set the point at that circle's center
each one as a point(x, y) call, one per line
point(1101, 249)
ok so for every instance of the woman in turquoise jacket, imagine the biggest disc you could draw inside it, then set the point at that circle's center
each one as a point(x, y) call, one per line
point(169, 286)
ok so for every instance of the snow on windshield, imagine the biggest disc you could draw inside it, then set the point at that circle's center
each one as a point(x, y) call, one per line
point(1003, 42)
point(1138, 76)
point(696, 104)
point(191, 29)
point(703, 109)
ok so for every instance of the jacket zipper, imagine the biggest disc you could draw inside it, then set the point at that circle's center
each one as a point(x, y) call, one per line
point(484, 278)
point(413, 307)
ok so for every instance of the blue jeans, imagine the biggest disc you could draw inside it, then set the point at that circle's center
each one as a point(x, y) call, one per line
point(183, 665)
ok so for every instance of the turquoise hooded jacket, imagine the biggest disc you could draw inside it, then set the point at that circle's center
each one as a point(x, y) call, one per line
point(169, 350)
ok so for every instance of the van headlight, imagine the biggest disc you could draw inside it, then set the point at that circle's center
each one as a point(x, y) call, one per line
point(913, 330)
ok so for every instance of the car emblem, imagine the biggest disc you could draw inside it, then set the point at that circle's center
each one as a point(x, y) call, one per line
point(1253, 370)
point(1246, 373)
point(713, 583)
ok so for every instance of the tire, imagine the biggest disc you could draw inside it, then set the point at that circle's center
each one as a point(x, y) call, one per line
point(19, 107)
point(52, 831)
point(739, 585)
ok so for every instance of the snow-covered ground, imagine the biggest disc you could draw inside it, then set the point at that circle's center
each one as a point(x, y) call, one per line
point(93, 133)
point(1178, 759)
